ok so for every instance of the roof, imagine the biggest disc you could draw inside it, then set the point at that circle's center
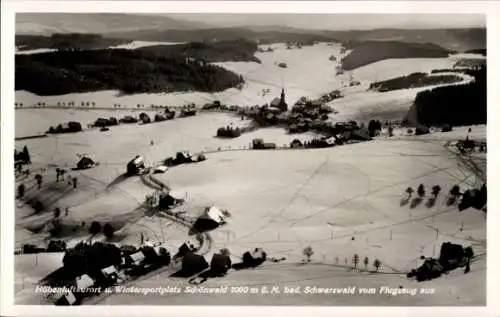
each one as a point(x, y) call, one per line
point(214, 214)
point(276, 101)
point(138, 256)
point(84, 281)
point(109, 270)
point(86, 160)
point(137, 160)
point(175, 195)
point(330, 140)
point(161, 168)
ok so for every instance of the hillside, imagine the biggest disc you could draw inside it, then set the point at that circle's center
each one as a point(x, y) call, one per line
point(62, 72)
point(364, 53)
point(456, 105)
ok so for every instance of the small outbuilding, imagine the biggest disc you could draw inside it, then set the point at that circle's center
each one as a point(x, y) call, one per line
point(85, 162)
point(254, 257)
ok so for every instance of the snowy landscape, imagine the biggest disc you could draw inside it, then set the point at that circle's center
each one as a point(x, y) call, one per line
point(363, 216)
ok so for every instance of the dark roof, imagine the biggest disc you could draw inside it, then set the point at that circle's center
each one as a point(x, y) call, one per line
point(276, 101)
point(85, 161)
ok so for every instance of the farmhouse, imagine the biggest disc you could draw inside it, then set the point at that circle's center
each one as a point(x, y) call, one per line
point(296, 144)
point(136, 166)
point(65, 299)
point(220, 264)
point(193, 264)
point(109, 275)
point(254, 257)
point(85, 162)
point(211, 218)
point(258, 144)
point(169, 200)
point(135, 259)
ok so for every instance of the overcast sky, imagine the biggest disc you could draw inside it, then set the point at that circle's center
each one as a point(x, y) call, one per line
point(340, 21)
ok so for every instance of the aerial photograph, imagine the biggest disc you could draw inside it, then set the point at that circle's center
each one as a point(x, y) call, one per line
point(250, 159)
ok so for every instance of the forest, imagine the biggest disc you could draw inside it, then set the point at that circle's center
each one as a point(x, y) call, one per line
point(413, 80)
point(129, 71)
point(364, 53)
point(462, 104)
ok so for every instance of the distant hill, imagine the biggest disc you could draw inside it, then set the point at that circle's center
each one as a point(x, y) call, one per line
point(223, 51)
point(481, 51)
point(364, 53)
point(220, 34)
point(460, 40)
point(101, 23)
point(129, 71)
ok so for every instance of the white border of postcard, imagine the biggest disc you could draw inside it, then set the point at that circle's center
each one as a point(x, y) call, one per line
point(10, 7)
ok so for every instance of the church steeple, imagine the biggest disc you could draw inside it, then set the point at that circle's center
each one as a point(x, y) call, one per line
point(283, 106)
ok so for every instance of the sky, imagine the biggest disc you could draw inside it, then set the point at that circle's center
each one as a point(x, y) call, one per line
point(340, 21)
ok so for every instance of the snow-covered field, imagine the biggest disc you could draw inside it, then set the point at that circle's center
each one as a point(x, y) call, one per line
point(138, 44)
point(309, 73)
point(340, 201)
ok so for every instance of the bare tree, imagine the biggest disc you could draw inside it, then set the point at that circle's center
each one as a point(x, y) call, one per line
point(409, 191)
point(21, 189)
point(435, 190)
point(39, 180)
point(421, 190)
point(377, 264)
point(355, 260)
point(308, 252)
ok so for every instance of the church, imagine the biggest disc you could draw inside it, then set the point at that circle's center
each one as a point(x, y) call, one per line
point(280, 103)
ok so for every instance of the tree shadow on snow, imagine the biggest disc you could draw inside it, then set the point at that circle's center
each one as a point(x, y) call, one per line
point(117, 180)
point(415, 202)
point(404, 201)
point(430, 202)
point(451, 200)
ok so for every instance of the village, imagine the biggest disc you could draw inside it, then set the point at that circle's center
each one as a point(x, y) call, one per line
point(109, 264)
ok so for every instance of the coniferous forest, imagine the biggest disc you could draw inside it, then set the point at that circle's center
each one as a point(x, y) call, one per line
point(457, 104)
point(129, 71)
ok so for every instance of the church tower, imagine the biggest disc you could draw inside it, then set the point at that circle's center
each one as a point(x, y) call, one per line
point(283, 106)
